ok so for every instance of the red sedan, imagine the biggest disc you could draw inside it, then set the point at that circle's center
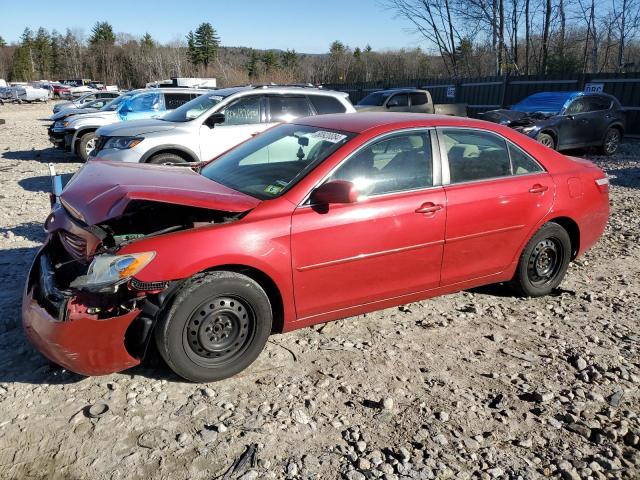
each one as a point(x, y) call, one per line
point(325, 218)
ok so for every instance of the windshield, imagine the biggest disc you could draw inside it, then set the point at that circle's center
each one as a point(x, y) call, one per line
point(375, 99)
point(193, 109)
point(269, 164)
point(546, 102)
point(115, 103)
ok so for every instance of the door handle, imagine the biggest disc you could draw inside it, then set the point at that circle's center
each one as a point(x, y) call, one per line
point(428, 207)
point(537, 188)
point(255, 133)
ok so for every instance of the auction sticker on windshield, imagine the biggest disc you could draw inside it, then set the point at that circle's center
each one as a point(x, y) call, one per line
point(332, 137)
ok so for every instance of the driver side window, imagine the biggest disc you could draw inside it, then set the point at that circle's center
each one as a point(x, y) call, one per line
point(395, 164)
point(399, 100)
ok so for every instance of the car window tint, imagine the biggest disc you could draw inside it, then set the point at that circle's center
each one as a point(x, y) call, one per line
point(418, 99)
point(475, 155)
point(400, 100)
point(175, 100)
point(394, 164)
point(579, 105)
point(596, 104)
point(244, 111)
point(521, 163)
point(285, 109)
point(325, 104)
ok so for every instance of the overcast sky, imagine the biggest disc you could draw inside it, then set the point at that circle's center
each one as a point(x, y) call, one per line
point(306, 26)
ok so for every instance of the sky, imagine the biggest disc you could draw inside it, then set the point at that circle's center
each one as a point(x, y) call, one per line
point(303, 25)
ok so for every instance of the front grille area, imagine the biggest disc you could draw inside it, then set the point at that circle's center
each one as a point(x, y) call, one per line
point(148, 286)
point(75, 245)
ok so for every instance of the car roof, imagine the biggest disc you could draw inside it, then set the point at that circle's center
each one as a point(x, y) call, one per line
point(177, 90)
point(399, 90)
point(361, 122)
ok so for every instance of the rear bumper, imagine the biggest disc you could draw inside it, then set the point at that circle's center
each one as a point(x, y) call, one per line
point(79, 342)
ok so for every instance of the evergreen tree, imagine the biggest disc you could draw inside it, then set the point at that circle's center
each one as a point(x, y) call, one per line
point(270, 61)
point(289, 59)
point(3, 43)
point(202, 46)
point(146, 42)
point(252, 65)
point(42, 52)
point(102, 33)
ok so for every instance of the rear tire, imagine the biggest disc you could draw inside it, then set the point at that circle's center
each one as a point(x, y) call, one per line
point(543, 262)
point(611, 141)
point(162, 158)
point(546, 140)
point(86, 145)
point(217, 325)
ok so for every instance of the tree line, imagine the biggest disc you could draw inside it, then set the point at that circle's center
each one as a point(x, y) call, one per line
point(462, 38)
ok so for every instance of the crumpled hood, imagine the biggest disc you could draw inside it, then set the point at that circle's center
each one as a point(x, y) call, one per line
point(96, 116)
point(67, 112)
point(514, 118)
point(134, 128)
point(101, 190)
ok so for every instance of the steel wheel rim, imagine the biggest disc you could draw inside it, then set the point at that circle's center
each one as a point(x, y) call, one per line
point(545, 261)
point(219, 331)
point(612, 140)
point(91, 144)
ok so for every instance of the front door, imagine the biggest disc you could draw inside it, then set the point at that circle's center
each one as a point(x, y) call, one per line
point(243, 119)
point(387, 244)
point(495, 196)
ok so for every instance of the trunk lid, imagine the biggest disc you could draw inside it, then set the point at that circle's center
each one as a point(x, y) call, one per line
point(102, 190)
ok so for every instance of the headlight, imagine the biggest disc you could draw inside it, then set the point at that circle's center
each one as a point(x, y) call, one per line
point(107, 272)
point(122, 143)
point(65, 124)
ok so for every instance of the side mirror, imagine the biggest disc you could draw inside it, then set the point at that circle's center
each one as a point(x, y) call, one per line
point(214, 119)
point(336, 191)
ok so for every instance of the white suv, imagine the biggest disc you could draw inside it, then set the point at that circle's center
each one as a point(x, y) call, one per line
point(213, 123)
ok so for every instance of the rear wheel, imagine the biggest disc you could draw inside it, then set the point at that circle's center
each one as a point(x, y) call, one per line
point(86, 145)
point(547, 140)
point(611, 141)
point(162, 158)
point(543, 262)
point(216, 327)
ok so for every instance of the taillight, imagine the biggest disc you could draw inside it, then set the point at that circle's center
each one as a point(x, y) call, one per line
point(603, 184)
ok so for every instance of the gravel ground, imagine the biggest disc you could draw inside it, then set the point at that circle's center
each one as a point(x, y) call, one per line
point(471, 385)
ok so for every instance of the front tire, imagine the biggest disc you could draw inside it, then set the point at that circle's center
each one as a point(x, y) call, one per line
point(547, 140)
point(217, 325)
point(162, 158)
point(611, 141)
point(543, 262)
point(86, 145)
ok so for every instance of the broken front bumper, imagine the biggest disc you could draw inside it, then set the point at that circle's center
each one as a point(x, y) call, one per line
point(79, 342)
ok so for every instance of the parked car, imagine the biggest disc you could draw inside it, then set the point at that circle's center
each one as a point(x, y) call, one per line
point(88, 107)
point(87, 97)
point(79, 131)
point(60, 90)
point(213, 123)
point(565, 120)
point(408, 100)
point(319, 219)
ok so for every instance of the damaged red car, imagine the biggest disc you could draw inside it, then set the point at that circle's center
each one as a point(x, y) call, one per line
point(325, 218)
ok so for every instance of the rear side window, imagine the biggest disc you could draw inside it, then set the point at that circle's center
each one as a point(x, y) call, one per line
point(175, 100)
point(596, 104)
point(243, 112)
point(475, 155)
point(324, 104)
point(521, 163)
point(418, 99)
point(285, 109)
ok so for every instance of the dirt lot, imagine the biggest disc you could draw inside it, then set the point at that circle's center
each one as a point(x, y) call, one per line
point(472, 385)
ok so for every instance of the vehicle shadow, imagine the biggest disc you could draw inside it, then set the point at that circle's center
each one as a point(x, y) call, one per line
point(624, 177)
point(31, 230)
point(42, 183)
point(46, 155)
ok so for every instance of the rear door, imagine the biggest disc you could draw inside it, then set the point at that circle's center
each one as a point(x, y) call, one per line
point(496, 194)
point(387, 244)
